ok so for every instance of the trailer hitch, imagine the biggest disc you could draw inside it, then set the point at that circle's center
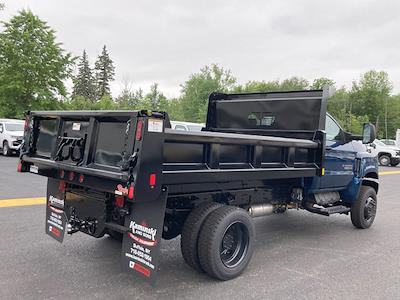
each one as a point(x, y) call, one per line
point(75, 224)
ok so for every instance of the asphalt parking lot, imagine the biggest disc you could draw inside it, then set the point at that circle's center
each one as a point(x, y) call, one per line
point(299, 255)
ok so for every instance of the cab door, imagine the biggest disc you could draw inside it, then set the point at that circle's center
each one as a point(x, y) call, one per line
point(339, 157)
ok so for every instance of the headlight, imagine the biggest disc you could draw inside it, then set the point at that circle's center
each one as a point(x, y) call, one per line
point(16, 137)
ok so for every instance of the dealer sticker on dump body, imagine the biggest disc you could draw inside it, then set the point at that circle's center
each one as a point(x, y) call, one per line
point(155, 125)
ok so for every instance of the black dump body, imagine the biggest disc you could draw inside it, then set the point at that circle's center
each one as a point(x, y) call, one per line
point(251, 142)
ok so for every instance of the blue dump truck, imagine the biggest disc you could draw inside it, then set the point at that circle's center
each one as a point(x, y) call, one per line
point(129, 175)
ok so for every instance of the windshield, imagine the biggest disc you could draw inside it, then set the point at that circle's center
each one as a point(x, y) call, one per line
point(390, 143)
point(378, 142)
point(14, 127)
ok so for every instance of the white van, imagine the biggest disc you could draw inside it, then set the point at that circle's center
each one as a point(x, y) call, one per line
point(186, 126)
point(11, 135)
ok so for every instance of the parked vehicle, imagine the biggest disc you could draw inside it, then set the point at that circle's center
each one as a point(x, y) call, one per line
point(130, 175)
point(398, 137)
point(390, 143)
point(11, 135)
point(387, 155)
point(186, 126)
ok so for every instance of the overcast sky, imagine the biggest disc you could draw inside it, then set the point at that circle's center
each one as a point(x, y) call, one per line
point(165, 41)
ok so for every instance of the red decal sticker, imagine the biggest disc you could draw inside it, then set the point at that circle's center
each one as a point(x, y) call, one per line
point(55, 231)
point(139, 268)
point(142, 241)
point(58, 211)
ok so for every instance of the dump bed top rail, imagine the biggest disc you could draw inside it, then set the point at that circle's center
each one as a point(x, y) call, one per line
point(235, 139)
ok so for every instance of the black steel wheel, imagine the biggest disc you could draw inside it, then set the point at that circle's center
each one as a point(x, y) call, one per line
point(190, 233)
point(363, 210)
point(226, 242)
point(234, 244)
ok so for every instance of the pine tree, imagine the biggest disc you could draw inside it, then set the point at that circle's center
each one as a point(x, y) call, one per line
point(84, 82)
point(104, 73)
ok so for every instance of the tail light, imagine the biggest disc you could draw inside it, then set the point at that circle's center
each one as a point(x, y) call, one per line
point(119, 201)
point(20, 167)
point(81, 178)
point(62, 186)
point(152, 180)
point(139, 128)
point(131, 192)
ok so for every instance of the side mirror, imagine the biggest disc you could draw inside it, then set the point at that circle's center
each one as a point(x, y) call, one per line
point(369, 133)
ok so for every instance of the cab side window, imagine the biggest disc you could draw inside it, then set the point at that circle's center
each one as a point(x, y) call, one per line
point(1, 128)
point(332, 129)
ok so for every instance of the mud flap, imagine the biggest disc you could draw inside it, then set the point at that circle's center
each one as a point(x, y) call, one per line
point(56, 220)
point(141, 244)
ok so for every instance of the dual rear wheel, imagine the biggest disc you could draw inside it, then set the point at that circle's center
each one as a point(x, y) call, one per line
point(218, 239)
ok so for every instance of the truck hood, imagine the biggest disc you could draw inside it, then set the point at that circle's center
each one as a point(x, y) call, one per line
point(395, 148)
point(16, 133)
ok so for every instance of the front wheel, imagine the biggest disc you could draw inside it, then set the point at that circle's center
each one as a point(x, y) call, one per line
point(226, 242)
point(6, 149)
point(363, 210)
point(384, 160)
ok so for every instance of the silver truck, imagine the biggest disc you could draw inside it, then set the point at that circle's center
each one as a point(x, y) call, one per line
point(11, 135)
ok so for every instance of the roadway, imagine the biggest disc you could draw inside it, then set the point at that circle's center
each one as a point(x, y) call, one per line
point(298, 255)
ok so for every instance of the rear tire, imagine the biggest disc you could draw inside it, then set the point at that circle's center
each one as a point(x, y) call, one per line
point(226, 242)
point(363, 210)
point(384, 160)
point(6, 149)
point(190, 233)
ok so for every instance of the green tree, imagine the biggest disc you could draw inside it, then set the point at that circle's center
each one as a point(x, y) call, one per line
point(129, 98)
point(84, 82)
point(293, 83)
point(105, 72)
point(393, 118)
point(258, 87)
point(155, 99)
point(369, 97)
point(199, 86)
point(105, 103)
point(33, 66)
point(322, 82)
